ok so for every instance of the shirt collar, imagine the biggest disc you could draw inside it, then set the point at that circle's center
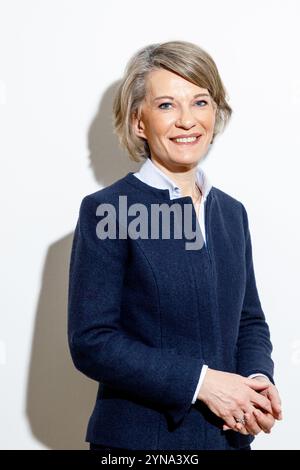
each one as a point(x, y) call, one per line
point(150, 174)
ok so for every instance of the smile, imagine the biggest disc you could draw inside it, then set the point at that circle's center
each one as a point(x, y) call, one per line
point(186, 140)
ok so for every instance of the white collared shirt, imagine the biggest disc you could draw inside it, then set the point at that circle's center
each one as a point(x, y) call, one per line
point(151, 174)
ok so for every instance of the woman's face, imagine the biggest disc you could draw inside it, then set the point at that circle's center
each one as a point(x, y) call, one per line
point(172, 108)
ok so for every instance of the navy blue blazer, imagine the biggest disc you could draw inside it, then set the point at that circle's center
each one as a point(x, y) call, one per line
point(144, 315)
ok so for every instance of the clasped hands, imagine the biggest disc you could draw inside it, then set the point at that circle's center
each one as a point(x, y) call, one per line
point(234, 397)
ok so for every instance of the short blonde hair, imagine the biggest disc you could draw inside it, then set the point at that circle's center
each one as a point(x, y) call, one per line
point(184, 58)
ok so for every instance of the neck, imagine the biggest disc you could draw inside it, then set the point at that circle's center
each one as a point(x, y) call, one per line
point(185, 179)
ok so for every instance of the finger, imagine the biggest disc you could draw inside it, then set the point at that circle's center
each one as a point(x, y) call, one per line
point(257, 384)
point(251, 423)
point(227, 428)
point(274, 398)
point(265, 421)
point(241, 427)
point(231, 423)
point(237, 428)
point(276, 411)
point(261, 401)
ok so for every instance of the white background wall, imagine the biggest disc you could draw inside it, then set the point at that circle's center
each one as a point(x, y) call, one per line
point(59, 63)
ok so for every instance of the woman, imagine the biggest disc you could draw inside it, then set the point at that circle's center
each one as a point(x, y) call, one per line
point(166, 315)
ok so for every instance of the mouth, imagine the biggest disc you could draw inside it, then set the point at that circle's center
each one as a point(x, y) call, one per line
point(186, 140)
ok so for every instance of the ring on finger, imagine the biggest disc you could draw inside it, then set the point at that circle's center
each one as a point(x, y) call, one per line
point(241, 420)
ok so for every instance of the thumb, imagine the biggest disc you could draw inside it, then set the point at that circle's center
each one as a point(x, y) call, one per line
point(257, 384)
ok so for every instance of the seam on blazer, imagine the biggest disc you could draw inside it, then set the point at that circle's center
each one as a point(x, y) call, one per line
point(199, 330)
point(160, 323)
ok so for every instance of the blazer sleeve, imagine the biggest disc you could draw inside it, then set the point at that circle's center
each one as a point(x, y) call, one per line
point(254, 346)
point(100, 348)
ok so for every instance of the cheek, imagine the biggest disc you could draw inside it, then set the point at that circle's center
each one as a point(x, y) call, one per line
point(208, 121)
point(160, 125)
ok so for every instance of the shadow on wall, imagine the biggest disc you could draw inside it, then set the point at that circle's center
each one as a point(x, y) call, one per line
point(59, 398)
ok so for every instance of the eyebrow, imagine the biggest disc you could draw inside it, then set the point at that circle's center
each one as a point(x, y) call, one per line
point(172, 98)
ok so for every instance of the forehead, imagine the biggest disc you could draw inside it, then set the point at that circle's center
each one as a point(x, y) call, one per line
point(161, 82)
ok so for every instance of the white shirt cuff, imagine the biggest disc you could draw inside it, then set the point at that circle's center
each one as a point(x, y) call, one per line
point(257, 375)
point(201, 378)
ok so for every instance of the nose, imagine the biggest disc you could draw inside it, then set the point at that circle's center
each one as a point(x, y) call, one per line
point(186, 118)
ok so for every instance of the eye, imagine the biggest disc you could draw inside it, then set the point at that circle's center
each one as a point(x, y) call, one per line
point(201, 101)
point(162, 104)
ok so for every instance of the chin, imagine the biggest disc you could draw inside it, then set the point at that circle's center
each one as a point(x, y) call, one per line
point(187, 159)
point(184, 165)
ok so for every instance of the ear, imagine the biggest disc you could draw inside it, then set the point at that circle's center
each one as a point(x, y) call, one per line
point(138, 126)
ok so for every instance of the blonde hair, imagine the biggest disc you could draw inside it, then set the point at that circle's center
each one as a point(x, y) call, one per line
point(184, 58)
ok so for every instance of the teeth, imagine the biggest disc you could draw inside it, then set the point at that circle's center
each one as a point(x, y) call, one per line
point(186, 139)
